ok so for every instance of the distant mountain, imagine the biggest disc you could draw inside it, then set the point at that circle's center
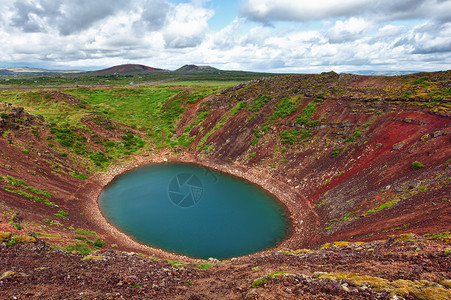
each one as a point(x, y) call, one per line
point(32, 71)
point(6, 72)
point(381, 73)
point(127, 69)
point(197, 69)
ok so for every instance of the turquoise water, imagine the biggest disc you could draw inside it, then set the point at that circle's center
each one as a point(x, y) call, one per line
point(194, 211)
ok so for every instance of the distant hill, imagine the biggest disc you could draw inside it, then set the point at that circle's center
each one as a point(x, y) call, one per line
point(197, 69)
point(127, 69)
point(32, 71)
point(381, 73)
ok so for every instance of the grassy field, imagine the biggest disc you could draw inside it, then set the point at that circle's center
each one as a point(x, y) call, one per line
point(150, 111)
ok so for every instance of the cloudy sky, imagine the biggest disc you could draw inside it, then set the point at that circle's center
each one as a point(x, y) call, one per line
point(304, 36)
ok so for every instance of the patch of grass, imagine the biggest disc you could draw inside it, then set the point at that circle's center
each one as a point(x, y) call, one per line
point(79, 176)
point(176, 264)
point(98, 243)
point(441, 236)
point(135, 286)
point(417, 165)
point(21, 183)
point(13, 241)
point(284, 108)
point(336, 152)
point(85, 232)
point(62, 214)
point(204, 265)
point(29, 196)
point(238, 107)
point(262, 280)
point(45, 234)
point(355, 134)
point(306, 114)
point(420, 289)
point(80, 247)
point(99, 158)
point(292, 136)
point(259, 103)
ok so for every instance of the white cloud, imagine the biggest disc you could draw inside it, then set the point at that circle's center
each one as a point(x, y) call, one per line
point(267, 11)
point(186, 26)
point(351, 29)
point(315, 36)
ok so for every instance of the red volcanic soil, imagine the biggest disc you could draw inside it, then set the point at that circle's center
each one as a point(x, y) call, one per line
point(347, 175)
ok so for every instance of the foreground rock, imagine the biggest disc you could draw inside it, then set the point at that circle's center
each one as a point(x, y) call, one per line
point(406, 267)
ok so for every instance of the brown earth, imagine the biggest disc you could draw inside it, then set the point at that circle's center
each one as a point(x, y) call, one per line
point(368, 191)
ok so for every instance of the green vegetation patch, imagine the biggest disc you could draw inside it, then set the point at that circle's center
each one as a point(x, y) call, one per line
point(85, 232)
point(79, 176)
point(417, 165)
point(80, 247)
point(355, 134)
point(204, 265)
point(263, 280)
point(97, 243)
point(307, 113)
point(285, 107)
point(176, 264)
point(62, 214)
point(293, 136)
point(259, 103)
point(421, 289)
point(21, 183)
point(29, 196)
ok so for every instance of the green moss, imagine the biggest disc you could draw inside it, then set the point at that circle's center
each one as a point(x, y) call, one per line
point(62, 214)
point(336, 152)
point(263, 280)
point(80, 247)
point(176, 263)
point(85, 232)
point(284, 108)
point(28, 196)
point(306, 114)
point(79, 176)
point(421, 289)
point(293, 136)
point(417, 165)
point(204, 265)
point(259, 103)
point(238, 107)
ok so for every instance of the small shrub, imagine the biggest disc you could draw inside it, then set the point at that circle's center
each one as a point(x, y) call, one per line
point(98, 158)
point(79, 176)
point(336, 152)
point(258, 103)
point(417, 165)
point(236, 109)
point(12, 241)
point(17, 226)
point(98, 243)
point(80, 247)
point(422, 188)
point(262, 280)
